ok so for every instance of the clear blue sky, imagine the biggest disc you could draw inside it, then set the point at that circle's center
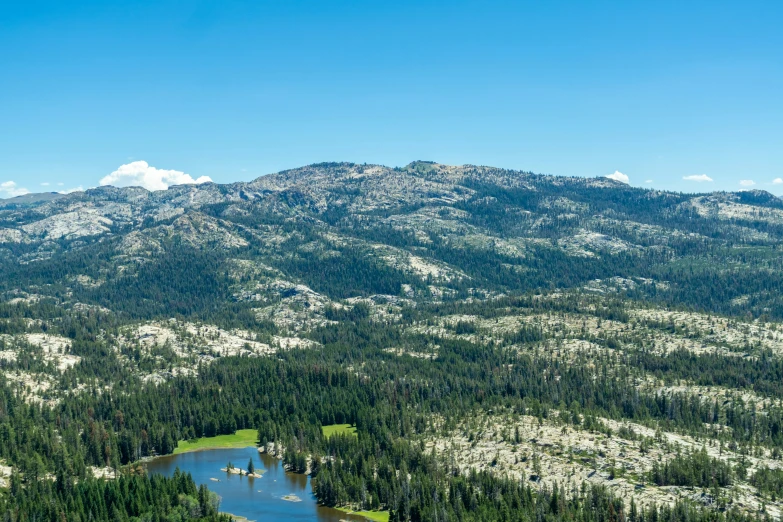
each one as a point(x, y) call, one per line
point(232, 90)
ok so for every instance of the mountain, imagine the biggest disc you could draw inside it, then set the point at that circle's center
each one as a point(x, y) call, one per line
point(26, 200)
point(540, 329)
point(424, 232)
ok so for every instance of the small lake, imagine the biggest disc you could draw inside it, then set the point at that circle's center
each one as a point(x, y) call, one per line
point(259, 499)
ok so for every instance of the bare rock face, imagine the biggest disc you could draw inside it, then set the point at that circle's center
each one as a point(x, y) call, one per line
point(10, 235)
point(69, 225)
point(450, 197)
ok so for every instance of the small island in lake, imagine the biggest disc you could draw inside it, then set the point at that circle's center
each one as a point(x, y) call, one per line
point(244, 473)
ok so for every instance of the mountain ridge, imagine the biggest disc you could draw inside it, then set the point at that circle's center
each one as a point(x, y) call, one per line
point(454, 217)
point(542, 330)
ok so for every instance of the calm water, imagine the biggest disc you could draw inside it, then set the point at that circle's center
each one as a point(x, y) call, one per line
point(257, 499)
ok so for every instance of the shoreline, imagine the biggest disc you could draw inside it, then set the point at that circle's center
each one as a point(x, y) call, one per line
point(375, 516)
point(145, 460)
point(372, 516)
point(206, 448)
point(245, 438)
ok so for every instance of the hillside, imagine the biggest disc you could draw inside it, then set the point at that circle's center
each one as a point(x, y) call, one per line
point(542, 330)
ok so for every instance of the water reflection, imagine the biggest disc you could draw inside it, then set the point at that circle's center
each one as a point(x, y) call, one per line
point(259, 499)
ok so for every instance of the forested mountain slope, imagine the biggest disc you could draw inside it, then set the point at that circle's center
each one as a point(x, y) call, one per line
point(483, 328)
point(418, 232)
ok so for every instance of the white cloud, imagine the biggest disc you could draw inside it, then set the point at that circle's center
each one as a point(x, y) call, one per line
point(697, 177)
point(75, 189)
point(9, 189)
point(777, 181)
point(45, 184)
point(648, 181)
point(747, 182)
point(141, 174)
point(60, 184)
point(618, 176)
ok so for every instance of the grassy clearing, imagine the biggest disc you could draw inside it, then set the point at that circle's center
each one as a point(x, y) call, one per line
point(236, 518)
point(375, 516)
point(241, 439)
point(330, 430)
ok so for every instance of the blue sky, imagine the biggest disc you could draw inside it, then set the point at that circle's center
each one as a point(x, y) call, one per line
point(230, 90)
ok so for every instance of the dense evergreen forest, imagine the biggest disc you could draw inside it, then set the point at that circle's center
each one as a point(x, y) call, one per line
point(289, 398)
point(508, 346)
point(127, 498)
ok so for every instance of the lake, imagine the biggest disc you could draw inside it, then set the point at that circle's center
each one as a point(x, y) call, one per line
point(257, 499)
